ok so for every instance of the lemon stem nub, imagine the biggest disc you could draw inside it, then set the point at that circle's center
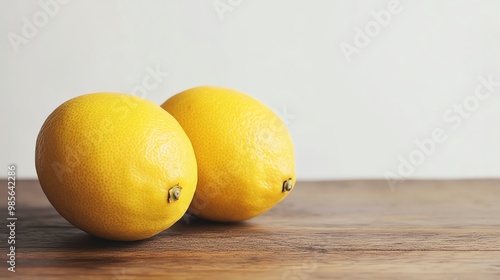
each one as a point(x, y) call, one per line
point(174, 193)
point(287, 185)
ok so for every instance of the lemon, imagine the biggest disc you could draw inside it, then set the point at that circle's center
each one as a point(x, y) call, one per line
point(244, 152)
point(116, 166)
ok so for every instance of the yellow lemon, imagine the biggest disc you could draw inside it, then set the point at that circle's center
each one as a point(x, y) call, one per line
point(244, 152)
point(116, 166)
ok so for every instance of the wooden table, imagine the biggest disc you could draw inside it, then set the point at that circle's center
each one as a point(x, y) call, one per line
point(328, 230)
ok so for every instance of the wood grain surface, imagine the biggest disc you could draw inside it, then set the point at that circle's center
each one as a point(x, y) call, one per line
point(323, 230)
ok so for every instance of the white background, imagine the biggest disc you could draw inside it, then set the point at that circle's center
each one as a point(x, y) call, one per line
point(348, 120)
